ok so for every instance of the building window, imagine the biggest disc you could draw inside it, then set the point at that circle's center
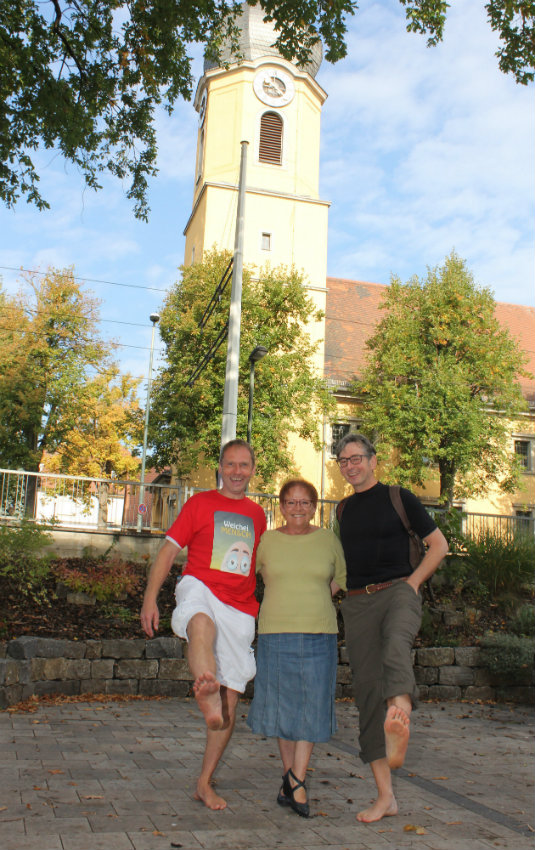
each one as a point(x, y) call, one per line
point(265, 242)
point(270, 148)
point(338, 431)
point(523, 454)
point(200, 154)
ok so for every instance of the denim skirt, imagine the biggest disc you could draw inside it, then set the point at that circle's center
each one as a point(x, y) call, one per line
point(294, 687)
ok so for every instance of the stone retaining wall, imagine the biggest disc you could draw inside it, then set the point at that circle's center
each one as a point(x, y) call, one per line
point(33, 665)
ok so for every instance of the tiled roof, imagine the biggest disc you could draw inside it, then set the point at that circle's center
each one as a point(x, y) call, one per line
point(353, 310)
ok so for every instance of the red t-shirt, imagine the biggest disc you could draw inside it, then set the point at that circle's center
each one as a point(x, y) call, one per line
point(222, 536)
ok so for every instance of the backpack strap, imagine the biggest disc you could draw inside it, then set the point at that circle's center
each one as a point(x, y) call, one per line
point(399, 507)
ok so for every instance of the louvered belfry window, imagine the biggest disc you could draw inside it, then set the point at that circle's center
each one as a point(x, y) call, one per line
point(270, 149)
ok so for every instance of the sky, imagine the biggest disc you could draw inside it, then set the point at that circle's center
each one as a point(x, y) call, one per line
point(423, 150)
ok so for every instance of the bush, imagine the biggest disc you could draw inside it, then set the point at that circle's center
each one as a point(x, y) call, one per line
point(23, 560)
point(523, 622)
point(106, 580)
point(497, 563)
point(505, 653)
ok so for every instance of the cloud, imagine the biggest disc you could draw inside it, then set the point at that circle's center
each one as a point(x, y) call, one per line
point(426, 149)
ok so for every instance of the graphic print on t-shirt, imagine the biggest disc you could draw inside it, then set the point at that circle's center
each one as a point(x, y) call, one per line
point(233, 543)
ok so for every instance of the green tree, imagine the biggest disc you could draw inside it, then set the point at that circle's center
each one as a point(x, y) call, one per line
point(108, 431)
point(289, 397)
point(441, 384)
point(85, 76)
point(57, 373)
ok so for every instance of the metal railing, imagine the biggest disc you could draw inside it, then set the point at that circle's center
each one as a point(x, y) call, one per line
point(99, 504)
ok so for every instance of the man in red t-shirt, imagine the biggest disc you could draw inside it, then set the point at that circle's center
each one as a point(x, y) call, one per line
point(216, 604)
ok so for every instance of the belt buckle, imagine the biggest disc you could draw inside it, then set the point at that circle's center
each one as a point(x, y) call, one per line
point(369, 592)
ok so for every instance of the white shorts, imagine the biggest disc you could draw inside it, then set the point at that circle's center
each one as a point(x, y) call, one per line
point(234, 656)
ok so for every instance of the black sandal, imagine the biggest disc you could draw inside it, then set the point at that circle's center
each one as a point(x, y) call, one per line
point(302, 809)
point(282, 798)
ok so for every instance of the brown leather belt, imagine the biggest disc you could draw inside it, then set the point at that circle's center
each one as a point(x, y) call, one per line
point(373, 588)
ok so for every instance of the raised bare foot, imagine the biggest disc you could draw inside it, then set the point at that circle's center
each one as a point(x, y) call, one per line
point(386, 807)
point(207, 694)
point(207, 795)
point(397, 732)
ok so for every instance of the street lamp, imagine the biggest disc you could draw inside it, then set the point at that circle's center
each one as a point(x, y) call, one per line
point(155, 318)
point(255, 355)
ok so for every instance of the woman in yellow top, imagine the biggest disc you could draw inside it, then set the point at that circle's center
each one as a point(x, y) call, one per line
point(302, 567)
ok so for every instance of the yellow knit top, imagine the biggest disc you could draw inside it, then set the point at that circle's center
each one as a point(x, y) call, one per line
point(297, 570)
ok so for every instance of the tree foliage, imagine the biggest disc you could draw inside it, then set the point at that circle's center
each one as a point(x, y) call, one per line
point(441, 383)
point(59, 388)
point(108, 430)
point(288, 396)
point(86, 76)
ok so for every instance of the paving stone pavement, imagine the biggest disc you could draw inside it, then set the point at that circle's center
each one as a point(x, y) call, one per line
point(121, 775)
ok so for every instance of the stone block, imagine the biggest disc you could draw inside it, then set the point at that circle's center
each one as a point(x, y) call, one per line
point(164, 647)
point(130, 668)
point(444, 692)
point(343, 674)
point(93, 686)
point(462, 676)
point(481, 676)
point(468, 656)
point(426, 675)
point(59, 668)
point(523, 695)
point(9, 671)
point(3, 649)
point(123, 648)
point(424, 692)
point(93, 649)
point(10, 695)
point(344, 657)
point(122, 687)
point(102, 668)
point(164, 688)
point(483, 692)
point(80, 598)
point(453, 618)
point(173, 668)
point(435, 656)
point(36, 647)
point(70, 688)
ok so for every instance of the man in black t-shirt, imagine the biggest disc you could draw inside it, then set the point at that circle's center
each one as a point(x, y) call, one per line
point(382, 611)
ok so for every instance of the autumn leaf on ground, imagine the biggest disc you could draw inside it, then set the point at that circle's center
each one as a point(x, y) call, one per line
point(410, 827)
point(55, 772)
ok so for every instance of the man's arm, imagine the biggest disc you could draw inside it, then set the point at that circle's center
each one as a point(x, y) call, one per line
point(150, 616)
point(437, 549)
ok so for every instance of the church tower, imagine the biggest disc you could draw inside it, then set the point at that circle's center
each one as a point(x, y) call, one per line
point(276, 107)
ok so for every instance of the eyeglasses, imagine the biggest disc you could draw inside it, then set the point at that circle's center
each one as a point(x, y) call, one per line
point(297, 503)
point(354, 460)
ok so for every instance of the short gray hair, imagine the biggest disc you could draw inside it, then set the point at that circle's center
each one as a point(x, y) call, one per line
point(237, 443)
point(354, 437)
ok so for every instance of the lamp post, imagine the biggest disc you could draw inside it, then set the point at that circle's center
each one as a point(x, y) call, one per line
point(155, 318)
point(255, 355)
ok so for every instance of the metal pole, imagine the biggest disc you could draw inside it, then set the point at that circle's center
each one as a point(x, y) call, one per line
point(230, 396)
point(251, 395)
point(154, 317)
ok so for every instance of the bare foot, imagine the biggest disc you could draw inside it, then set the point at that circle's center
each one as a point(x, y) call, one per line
point(386, 807)
point(396, 735)
point(207, 694)
point(207, 795)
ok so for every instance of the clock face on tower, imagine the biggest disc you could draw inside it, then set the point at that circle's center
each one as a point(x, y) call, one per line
point(274, 87)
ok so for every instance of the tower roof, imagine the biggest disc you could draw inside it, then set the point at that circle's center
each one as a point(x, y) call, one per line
point(257, 39)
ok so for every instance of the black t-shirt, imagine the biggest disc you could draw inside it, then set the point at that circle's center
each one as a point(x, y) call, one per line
point(375, 542)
